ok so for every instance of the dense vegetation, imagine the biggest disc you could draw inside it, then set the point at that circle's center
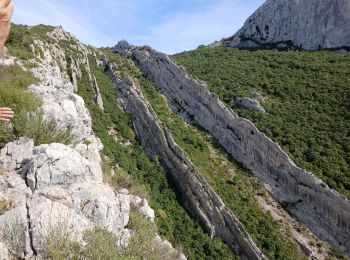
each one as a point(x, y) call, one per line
point(307, 99)
point(28, 120)
point(114, 127)
point(101, 244)
point(21, 38)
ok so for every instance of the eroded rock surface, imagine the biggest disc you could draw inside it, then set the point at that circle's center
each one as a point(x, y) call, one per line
point(54, 187)
point(322, 209)
point(308, 24)
point(197, 195)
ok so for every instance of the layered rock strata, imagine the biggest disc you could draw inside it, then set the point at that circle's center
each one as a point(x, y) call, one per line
point(197, 196)
point(307, 24)
point(323, 210)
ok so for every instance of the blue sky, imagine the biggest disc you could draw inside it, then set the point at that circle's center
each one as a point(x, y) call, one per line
point(169, 26)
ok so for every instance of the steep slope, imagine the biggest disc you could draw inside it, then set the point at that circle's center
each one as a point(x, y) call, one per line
point(52, 194)
point(241, 192)
point(307, 24)
point(67, 186)
point(288, 183)
point(305, 96)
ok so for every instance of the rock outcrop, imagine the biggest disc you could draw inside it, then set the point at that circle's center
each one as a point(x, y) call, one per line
point(55, 187)
point(249, 103)
point(197, 195)
point(307, 24)
point(322, 209)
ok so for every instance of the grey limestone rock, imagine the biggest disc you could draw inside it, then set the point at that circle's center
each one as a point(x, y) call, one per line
point(198, 197)
point(123, 48)
point(309, 24)
point(55, 188)
point(249, 103)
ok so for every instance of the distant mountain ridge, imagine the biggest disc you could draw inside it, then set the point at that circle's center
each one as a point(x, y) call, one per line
point(306, 24)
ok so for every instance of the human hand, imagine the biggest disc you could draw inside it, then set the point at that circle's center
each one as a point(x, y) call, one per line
point(6, 114)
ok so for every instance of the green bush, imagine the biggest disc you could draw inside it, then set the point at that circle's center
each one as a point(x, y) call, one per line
point(28, 120)
point(59, 245)
point(21, 37)
point(13, 94)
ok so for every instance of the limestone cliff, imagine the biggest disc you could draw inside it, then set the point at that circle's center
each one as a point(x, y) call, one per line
point(197, 195)
point(322, 209)
point(307, 24)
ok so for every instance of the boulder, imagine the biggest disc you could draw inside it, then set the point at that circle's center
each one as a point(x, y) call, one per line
point(249, 103)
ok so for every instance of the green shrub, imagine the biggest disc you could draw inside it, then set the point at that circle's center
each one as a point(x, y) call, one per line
point(28, 120)
point(13, 94)
point(101, 244)
point(21, 37)
point(14, 234)
point(59, 245)
point(44, 131)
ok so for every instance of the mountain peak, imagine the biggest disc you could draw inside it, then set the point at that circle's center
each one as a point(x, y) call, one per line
point(306, 24)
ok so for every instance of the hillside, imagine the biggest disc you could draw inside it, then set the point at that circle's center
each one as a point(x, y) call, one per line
point(305, 95)
point(122, 149)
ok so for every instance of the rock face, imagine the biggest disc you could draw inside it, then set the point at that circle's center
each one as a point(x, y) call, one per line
point(308, 24)
point(198, 197)
point(322, 209)
point(55, 187)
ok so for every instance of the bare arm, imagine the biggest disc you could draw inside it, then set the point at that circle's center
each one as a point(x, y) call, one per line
point(6, 10)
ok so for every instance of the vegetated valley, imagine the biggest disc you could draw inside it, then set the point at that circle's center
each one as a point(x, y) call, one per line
point(305, 94)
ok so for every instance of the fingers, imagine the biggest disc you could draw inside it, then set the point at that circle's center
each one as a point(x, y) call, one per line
point(6, 13)
point(6, 114)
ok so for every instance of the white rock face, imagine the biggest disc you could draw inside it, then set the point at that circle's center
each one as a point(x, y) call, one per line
point(57, 164)
point(322, 209)
point(198, 197)
point(55, 188)
point(309, 24)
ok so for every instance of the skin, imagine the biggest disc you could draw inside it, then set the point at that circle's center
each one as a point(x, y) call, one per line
point(6, 10)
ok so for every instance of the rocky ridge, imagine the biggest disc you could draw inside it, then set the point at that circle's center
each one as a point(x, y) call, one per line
point(54, 186)
point(306, 24)
point(322, 209)
point(197, 195)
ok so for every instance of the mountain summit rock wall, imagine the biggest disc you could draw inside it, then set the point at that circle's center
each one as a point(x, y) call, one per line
point(309, 24)
point(322, 209)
